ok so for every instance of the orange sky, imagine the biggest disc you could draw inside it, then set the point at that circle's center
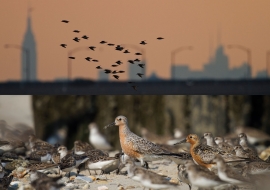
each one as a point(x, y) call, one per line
point(180, 22)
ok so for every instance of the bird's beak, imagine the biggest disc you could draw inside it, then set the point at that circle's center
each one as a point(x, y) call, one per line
point(110, 125)
point(180, 142)
point(202, 137)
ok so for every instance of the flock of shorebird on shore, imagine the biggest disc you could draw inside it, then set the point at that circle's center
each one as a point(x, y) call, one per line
point(212, 163)
point(121, 48)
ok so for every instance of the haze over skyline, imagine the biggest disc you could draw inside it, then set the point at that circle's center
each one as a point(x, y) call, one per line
point(181, 23)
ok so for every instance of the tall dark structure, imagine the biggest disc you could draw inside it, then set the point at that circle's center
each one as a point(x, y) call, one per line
point(29, 56)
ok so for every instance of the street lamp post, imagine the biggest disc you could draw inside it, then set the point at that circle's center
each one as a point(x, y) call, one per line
point(142, 52)
point(174, 52)
point(248, 51)
point(27, 57)
point(267, 62)
point(69, 66)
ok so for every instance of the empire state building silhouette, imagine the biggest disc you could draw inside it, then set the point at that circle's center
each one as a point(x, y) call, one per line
point(29, 61)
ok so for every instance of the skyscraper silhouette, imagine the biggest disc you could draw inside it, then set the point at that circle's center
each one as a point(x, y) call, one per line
point(29, 72)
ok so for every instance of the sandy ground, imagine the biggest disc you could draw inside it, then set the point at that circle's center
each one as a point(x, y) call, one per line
point(163, 167)
point(112, 181)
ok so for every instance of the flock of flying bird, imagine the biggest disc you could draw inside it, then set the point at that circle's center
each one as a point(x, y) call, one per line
point(234, 163)
point(117, 63)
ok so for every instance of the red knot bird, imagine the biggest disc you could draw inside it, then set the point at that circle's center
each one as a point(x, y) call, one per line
point(203, 154)
point(97, 139)
point(140, 148)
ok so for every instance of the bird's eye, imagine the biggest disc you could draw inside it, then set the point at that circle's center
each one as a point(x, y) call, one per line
point(120, 119)
point(190, 137)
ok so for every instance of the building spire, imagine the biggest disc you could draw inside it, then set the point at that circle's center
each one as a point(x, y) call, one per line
point(219, 35)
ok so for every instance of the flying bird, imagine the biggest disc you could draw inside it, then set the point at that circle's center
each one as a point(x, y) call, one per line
point(95, 60)
point(126, 51)
point(141, 65)
point(65, 21)
point(103, 42)
point(76, 31)
point(138, 54)
point(131, 61)
point(121, 71)
point(110, 44)
point(114, 65)
point(92, 48)
point(64, 45)
point(98, 67)
point(160, 38)
point(85, 37)
point(140, 75)
point(76, 39)
point(143, 42)
point(118, 62)
point(88, 58)
point(114, 72)
point(107, 71)
point(137, 60)
point(71, 57)
point(116, 76)
point(119, 48)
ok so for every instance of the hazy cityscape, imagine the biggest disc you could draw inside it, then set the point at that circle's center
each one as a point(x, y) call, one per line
point(216, 68)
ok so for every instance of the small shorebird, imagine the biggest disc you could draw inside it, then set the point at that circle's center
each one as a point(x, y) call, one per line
point(227, 174)
point(254, 135)
point(243, 141)
point(68, 162)
point(2, 170)
point(41, 181)
point(148, 178)
point(183, 175)
point(210, 139)
point(203, 154)
point(100, 162)
point(97, 139)
point(138, 147)
point(224, 146)
point(40, 156)
point(35, 142)
point(5, 181)
point(202, 178)
point(256, 168)
point(240, 152)
point(7, 146)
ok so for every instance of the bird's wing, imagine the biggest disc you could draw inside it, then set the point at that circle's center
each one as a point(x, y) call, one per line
point(142, 145)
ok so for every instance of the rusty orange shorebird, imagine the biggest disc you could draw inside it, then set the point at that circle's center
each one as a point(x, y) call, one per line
point(204, 155)
point(142, 149)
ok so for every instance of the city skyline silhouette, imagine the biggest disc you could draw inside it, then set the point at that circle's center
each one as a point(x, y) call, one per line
point(131, 23)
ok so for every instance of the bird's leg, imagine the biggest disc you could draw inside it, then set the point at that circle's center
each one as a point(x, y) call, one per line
point(146, 165)
point(189, 186)
point(89, 172)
